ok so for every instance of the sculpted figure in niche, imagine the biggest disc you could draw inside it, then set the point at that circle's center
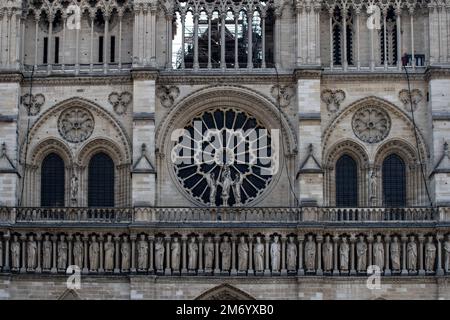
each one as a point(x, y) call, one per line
point(209, 253)
point(62, 253)
point(291, 254)
point(237, 183)
point(77, 252)
point(94, 249)
point(447, 254)
point(74, 189)
point(15, 253)
point(46, 253)
point(430, 255)
point(259, 255)
point(226, 184)
point(378, 253)
point(361, 254)
point(395, 254)
point(176, 249)
point(225, 249)
point(310, 254)
point(412, 254)
point(275, 250)
point(142, 252)
point(212, 184)
point(125, 250)
point(31, 251)
point(344, 251)
point(159, 254)
point(193, 254)
point(109, 253)
point(243, 254)
point(327, 254)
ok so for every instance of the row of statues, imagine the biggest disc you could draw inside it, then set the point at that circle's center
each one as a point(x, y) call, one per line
point(239, 254)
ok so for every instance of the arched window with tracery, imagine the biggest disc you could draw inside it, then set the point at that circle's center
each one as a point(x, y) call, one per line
point(342, 36)
point(101, 181)
point(346, 182)
point(52, 181)
point(394, 181)
point(388, 38)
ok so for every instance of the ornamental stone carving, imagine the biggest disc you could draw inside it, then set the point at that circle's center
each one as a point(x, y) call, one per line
point(378, 253)
point(310, 254)
point(327, 254)
point(33, 103)
point(430, 255)
point(193, 254)
point(275, 250)
point(159, 254)
point(31, 251)
point(371, 124)
point(78, 251)
point(47, 253)
point(62, 253)
point(333, 99)
point(142, 253)
point(291, 254)
point(225, 250)
point(15, 253)
point(94, 249)
point(283, 94)
point(361, 255)
point(416, 97)
point(259, 255)
point(344, 251)
point(75, 124)
point(109, 253)
point(125, 251)
point(176, 250)
point(167, 95)
point(412, 255)
point(395, 254)
point(447, 254)
point(243, 254)
point(209, 254)
point(120, 101)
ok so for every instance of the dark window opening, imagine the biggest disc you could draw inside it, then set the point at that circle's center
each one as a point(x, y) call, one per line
point(394, 181)
point(113, 49)
point(101, 181)
point(45, 56)
point(52, 181)
point(100, 49)
point(346, 182)
point(56, 49)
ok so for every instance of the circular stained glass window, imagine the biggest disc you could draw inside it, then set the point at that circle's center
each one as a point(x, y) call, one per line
point(223, 157)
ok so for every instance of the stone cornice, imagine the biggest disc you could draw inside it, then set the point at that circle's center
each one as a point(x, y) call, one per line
point(10, 76)
point(308, 73)
point(437, 73)
point(214, 78)
point(144, 74)
point(79, 80)
point(371, 76)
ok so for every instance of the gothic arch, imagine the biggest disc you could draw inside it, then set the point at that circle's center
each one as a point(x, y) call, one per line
point(97, 145)
point(47, 146)
point(224, 292)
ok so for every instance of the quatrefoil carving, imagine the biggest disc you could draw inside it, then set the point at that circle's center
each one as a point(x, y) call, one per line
point(33, 103)
point(333, 99)
point(167, 95)
point(416, 97)
point(285, 94)
point(120, 101)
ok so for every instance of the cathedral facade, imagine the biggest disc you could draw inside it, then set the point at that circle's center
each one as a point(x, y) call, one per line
point(224, 149)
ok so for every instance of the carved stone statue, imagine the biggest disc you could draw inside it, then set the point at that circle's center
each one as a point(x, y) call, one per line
point(74, 188)
point(310, 254)
point(378, 253)
point(109, 253)
point(31, 253)
point(395, 254)
point(447, 254)
point(275, 250)
point(243, 254)
point(209, 253)
point(193, 254)
point(373, 186)
point(159, 254)
point(77, 252)
point(46, 253)
point(225, 249)
point(176, 249)
point(430, 255)
point(236, 186)
point(344, 251)
point(15, 253)
point(212, 184)
point(62, 253)
point(142, 248)
point(259, 255)
point(226, 184)
point(327, 254)
point(412, 254)
point(125, 250)
point(94, 249)
point(361, 254)
point(291, 254)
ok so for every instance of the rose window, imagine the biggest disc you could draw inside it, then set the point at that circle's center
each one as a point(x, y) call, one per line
point(76, 124)
point(371, 124)
point(223, 157)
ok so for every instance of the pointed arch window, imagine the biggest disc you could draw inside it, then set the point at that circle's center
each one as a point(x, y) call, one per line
point(394, 181)
point(101, 181)
point(346, 182)
point(52, 181)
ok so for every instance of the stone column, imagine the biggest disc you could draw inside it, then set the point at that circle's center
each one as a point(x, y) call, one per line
point(387, 270)
point(7, 237)
point(404, 239)
point(233, 256)
point(100, 244)
point(439, 269)
point(85, 251)
point(283, 256)
point(200, 270)
point(319, 240)
point(133, 253)
point(38, 240)
point(117, 254)
point(216, 255)
point(300, 270)
point(335, 256)
point(167, 270)
point(23, 240)
point(150, 248)
point(369, 249)
point(421, 239)
point(352, 255)
point(184, 270)
point(250, 257)
point(267, 255)
point(54, 252)
point(69, 246)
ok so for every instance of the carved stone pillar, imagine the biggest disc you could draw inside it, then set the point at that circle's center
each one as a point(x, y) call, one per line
point(283, 256)
point(233, 256)
point(133, 253)
point(200, 255)
point(216, 256)
point(167, 270)
point(184, 270)
point(370, 246)
point(101, 269)
point(38, 240)
point(421, 239)
point(85, 252)
point(387, 270)
point(23, 268)
point(150, 248)
point(267, 255)
point(335, 256)
point(70, 249)
point(250, 257)
point(300, 270)
point(352, 255)
point(6, 266)
point(54, 239)
point(117, 254)
point(439, 270)
point(404, 239)
point(319, 270)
